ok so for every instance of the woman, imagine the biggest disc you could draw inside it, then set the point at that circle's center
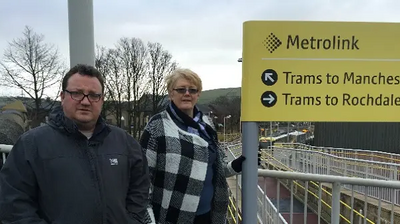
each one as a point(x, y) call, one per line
point(187, 168)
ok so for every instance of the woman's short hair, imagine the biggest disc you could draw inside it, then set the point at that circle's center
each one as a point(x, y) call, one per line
point(186, 74)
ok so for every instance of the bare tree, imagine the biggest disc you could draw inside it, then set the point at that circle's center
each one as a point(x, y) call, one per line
point(102, 63)
point(133, 54)
point(132, 69)
point(33, 66)
point(108, 62)
point(115, 83)
point(161, 64)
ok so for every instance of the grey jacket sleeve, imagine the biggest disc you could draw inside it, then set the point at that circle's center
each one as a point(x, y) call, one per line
point(18, 186)
point(229, 171)
point(138, 193)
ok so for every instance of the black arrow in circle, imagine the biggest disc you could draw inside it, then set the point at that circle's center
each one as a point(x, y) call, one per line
point(269, 99)
point(269, 77)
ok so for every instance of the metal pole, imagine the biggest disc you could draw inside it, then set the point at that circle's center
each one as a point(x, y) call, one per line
point(335, 214)
point(224, 131)
point(240, 125)
point(250, 172)
point(288, 131)
point(237, 199)
point(81, 32)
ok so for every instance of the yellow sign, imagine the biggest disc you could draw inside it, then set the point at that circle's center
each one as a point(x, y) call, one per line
point(321, 71)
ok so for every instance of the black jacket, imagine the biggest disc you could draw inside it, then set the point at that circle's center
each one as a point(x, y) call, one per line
point(54, 174)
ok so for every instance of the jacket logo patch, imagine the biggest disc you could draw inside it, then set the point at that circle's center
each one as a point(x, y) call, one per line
point(114, 162)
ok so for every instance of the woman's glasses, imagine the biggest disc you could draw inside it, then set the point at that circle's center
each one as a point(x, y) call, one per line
point(184, 90)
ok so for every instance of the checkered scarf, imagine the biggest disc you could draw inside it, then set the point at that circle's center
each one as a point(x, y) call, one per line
point(198, 125)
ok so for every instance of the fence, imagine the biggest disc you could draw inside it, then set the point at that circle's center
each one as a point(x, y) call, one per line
point(337, 182)
point(321, 163)
point(267, 212)
point(369, 155)
point(4, 150)
point(318, 162)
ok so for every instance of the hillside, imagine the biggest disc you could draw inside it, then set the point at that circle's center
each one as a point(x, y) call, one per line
point(208, 96)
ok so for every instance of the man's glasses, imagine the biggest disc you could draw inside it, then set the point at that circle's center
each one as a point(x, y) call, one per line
point(79, 96)
point(184, 90)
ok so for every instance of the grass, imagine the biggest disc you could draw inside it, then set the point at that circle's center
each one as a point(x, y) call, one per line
point(208, 96)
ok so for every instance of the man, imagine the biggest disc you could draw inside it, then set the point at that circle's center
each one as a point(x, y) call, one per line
point(76, 169)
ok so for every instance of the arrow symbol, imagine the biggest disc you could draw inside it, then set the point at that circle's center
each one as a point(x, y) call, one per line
point(268, 76)
point(270, 99)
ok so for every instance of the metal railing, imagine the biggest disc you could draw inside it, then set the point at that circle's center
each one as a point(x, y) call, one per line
point(317, 162)
point(233, 211)
point(267, 212)
point(371, 155)
point(322, 201)
point(383, 216)
point(4, 150)
point(335, 164)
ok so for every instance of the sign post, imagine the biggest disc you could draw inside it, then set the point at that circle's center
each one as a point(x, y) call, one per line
point(315, 72)
point(250, 174)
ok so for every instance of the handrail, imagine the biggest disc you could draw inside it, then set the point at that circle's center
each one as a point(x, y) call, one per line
point(329, 178)
point(229, 147)
point(325, 191)
point(5, 148)
point(336, 181)
point(360, 152)
point(231, 206)
point(350, 167)
point(315, 184)
point(330, 152)
point(338, 157)
point(367, 163)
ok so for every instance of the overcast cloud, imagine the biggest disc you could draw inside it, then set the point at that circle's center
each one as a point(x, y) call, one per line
point(205, 35)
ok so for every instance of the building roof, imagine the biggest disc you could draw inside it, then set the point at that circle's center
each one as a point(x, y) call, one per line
point(17, 105)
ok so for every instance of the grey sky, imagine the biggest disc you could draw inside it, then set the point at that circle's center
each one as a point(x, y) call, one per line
point(205, 35)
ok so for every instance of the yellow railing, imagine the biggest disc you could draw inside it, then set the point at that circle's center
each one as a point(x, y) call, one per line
point(315, 184)
point(373, 154)
point(232, 210)
point(228, 137)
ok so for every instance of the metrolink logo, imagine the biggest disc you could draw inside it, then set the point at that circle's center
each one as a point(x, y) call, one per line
point(336, 42)
point(271, 42)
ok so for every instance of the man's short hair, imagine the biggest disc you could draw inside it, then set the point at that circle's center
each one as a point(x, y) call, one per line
point(82, 69)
